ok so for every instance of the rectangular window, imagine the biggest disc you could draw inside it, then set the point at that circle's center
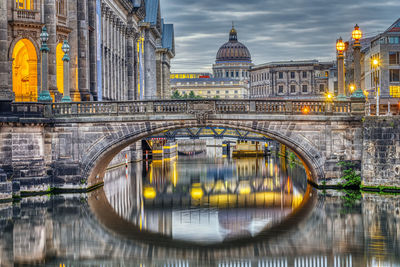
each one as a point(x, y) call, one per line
point(208, 92)
point(304, 74)
point(280, 75)
point(293, 88)
point(226, 92)
point(280, 89)
point(217, 92)
point(304, 88)
point(232, 74)
point(395, 91)
point(227, 74)
point(292, 75)
point(394, 58)
point(237, 74)
point(236, 92)
point(394, 40)
point(321, 88)
point(395, 75)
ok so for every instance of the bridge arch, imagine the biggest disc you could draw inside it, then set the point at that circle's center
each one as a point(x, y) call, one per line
point(95, 162)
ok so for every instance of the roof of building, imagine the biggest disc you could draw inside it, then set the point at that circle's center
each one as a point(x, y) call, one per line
point(205, 80)
point(168, 37)
point(395, 27)
point(233, 50)
point(152, 11)
point(292, 63)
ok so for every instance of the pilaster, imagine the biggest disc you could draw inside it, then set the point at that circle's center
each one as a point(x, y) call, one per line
point(50, 20)
point(83, 50)
point(6, 94)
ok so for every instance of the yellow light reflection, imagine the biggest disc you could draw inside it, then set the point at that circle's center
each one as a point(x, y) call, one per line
point(196, 192)
point(149, 192)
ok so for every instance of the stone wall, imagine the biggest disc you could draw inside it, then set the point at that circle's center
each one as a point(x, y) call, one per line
point(381, 151)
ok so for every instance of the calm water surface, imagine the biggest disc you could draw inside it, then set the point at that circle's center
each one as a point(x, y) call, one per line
point(203, 212)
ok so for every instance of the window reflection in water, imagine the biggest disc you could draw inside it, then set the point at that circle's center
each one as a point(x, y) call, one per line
point(207, 200)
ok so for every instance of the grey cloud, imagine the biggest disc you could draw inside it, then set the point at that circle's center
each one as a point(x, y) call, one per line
point(271, 29)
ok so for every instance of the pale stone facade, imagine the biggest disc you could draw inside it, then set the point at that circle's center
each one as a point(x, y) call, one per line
point(103, 36)
point(224, 88)
point(291, 79)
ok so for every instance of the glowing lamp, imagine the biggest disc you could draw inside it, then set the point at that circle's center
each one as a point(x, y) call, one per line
point(329, 97)
point(375, 62)
point(357, 33)
point(305, 110)
point(149, 192)
point(352, 88)
point(340, 46)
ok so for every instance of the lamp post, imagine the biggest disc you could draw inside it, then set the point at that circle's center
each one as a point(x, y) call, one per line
point(65, 48)
point(375, 66)
point(340, 47)
point(357, 35)
point(44, 95)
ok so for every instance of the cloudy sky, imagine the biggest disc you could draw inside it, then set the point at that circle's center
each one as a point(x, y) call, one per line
point(272, 29)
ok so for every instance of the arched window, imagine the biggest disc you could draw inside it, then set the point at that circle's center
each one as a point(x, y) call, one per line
point(61, 7)
point(24, 71)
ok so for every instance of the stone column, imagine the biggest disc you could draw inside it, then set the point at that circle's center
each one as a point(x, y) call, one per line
point(103, 49)
point(92, 49)
point(83, 48)
point(357, 66)
point(50, 20)
point(130, 57)
point(6, 94)
point(73, 42)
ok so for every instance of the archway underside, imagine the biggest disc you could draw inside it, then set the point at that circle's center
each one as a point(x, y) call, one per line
point(95, 163)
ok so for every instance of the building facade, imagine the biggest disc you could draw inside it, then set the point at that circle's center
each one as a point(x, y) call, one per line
point(230, 74)
point(233, 59)
point(224, 88)
point(113, 51)
point(386, 48)
point(292, 79)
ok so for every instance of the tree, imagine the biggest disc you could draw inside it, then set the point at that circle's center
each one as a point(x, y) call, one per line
point(176, 95)
point(192, 95)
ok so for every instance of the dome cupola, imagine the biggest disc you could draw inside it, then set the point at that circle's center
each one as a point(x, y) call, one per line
point(233, 50)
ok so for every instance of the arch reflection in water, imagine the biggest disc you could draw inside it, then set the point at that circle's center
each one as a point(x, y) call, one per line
point(207, 200)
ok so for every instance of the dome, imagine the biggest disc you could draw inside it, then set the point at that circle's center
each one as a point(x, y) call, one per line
point(233, 50)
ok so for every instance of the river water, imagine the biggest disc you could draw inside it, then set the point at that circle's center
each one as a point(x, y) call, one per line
point(203, 211)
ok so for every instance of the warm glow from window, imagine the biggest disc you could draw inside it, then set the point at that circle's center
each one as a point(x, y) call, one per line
point(395, 91)
point(24, 71)
point(24, 4)
point(60, 68)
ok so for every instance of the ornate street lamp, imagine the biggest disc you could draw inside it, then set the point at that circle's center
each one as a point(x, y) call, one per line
point(44, 95)
point(340, 47)
point(65, 48)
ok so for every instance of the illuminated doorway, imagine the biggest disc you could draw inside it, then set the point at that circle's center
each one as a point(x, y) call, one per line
point(24, 71)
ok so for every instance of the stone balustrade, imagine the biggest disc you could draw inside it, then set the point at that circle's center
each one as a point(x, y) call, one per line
point(270, 107)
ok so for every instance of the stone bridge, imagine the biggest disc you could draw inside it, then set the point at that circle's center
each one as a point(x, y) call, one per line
point(69, 145)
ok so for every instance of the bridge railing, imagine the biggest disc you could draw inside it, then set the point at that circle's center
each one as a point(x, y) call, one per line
point(271, 106)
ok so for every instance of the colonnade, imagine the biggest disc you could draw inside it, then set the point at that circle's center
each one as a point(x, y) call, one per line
point(115, 34)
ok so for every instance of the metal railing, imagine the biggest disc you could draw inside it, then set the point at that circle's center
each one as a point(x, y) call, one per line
point(121, 108)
